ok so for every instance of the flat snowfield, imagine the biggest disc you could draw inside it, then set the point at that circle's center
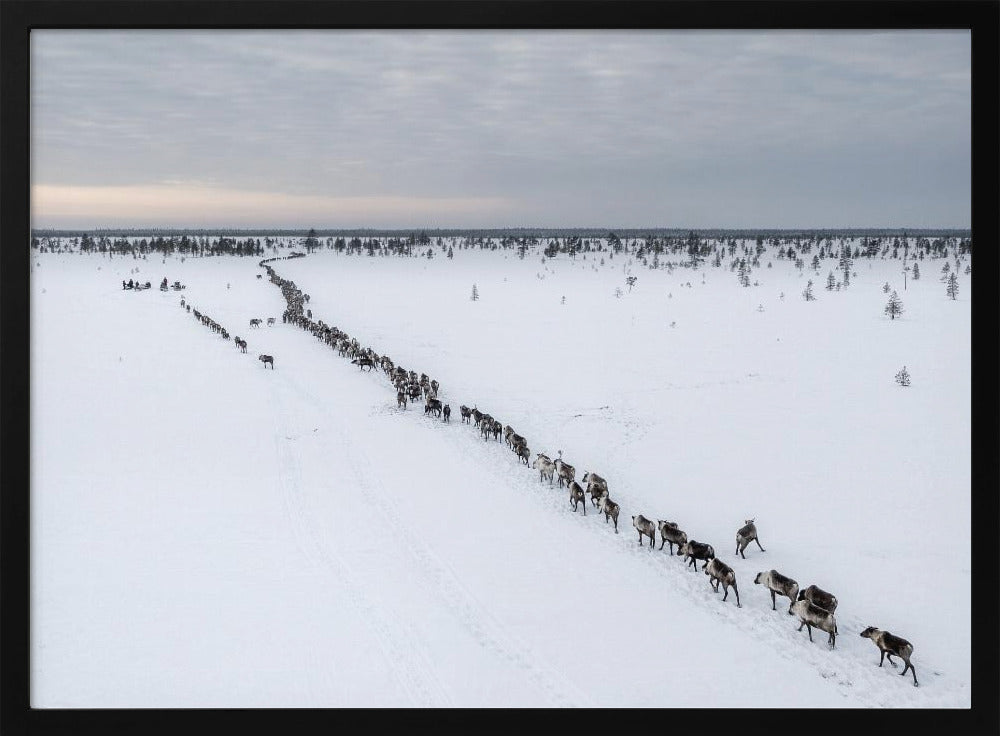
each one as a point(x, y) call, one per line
point(208, 532)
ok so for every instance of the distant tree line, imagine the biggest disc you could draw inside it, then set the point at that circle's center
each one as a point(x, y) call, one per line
point(690, 249)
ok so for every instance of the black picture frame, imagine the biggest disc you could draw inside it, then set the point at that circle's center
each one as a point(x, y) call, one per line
point(18, 18)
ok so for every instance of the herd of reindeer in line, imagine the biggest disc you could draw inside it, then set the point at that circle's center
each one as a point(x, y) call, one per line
point(813, 606)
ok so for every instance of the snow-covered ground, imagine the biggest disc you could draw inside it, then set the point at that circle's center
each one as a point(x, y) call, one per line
point(207, 532)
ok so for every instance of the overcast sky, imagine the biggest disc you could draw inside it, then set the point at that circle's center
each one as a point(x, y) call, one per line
point(500, 128)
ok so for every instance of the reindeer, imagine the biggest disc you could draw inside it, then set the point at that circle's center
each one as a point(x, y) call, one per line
point(566, 472)
point(523, 453)
point(507, 432)
point(545, 467)
point(745, 535)
point(889, 644)
point(596, 487)
point(266, 360)
point(610, 510)
point(671, 534)
point(819, 597)
point(644, 526)
point(577, 498)
point(401, 399)
point(255, 322)
point(364, 362)
point(466, 413)
point(719, 572)
point(778, 584)
point(477, 415)
point(270, 321)
point(447, 413)
point(433, 406)
point(812, 615)
point(694, 551)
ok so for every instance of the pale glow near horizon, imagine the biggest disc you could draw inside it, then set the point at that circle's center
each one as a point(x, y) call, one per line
point(158, 205)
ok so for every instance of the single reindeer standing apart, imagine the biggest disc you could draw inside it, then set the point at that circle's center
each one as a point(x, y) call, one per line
point(747, 534)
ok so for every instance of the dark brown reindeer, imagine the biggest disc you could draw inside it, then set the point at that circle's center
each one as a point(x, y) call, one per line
point(694, 551)
point(889, 644)
point(778, 584)
point(671, 534)
point(610, 510)
point(819, 597)
point(719, 572)
point(577, 498)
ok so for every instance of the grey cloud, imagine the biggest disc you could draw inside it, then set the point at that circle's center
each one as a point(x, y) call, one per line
point(525, 115)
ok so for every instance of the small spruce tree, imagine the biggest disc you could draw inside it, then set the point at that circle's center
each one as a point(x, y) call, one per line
point(903, 377)
point(807, 294)
point(831, 282)
point(475, 294)
point(894, 307)
point(952, 289)
point(916, 271)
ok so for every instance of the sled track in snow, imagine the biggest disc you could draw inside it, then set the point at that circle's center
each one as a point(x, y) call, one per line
point(487, 630)
point(407, 660)
point(852, 666)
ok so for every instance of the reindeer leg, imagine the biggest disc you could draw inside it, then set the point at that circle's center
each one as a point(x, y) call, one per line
point(882, 658)
point(758, 544)
point(773, 608)
point(738, 605)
